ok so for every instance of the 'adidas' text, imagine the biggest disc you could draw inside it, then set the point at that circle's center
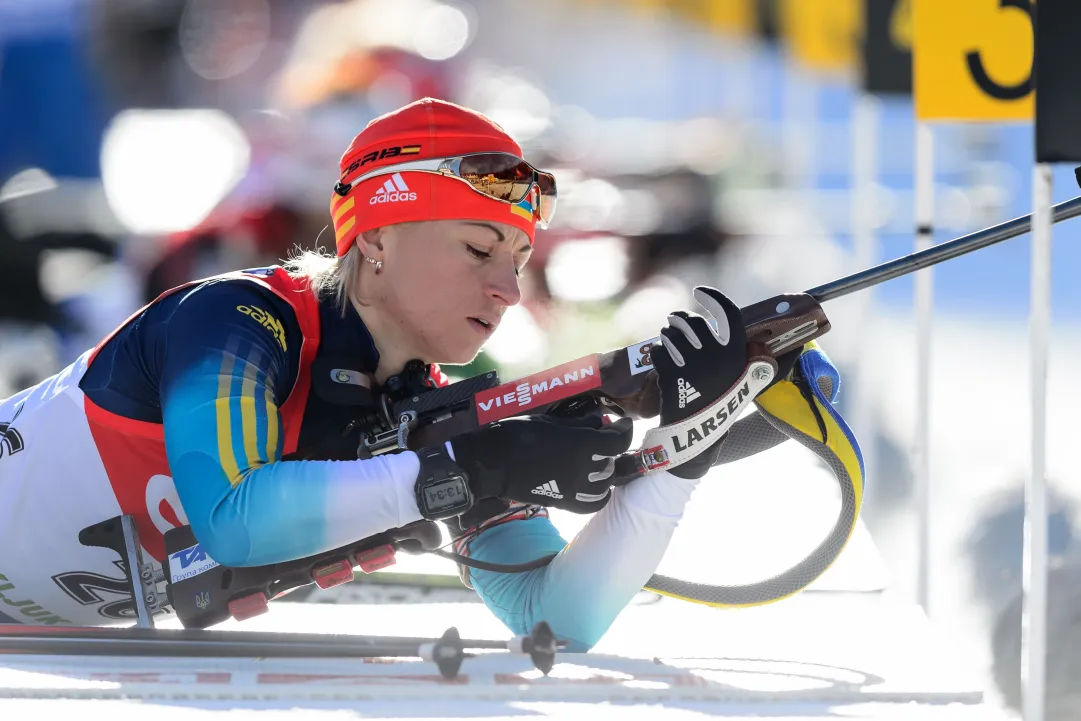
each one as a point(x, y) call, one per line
point(548, 489)
point(393, 191)
point(687, 393)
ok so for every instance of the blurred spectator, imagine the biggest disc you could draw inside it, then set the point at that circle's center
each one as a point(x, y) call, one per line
point(995, 545)
point(23, 298)
point(259, 236)
point(32, 323)
point(685, 233)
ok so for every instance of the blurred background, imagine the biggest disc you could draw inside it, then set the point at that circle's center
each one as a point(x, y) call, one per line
point(761, 146)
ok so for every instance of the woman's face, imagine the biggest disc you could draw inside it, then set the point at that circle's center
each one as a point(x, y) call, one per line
point(445, 284)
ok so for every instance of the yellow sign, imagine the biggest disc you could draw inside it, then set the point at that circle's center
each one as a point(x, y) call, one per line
point(728, 17)
point(823, 34)
point(972, 60)
point(733, 17)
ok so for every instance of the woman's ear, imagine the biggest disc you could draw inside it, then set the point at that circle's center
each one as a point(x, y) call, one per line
point(370, 243)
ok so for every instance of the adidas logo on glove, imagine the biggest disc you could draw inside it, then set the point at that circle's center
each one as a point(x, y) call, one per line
point(393, 191)
point(548, 489)
point(687, 393)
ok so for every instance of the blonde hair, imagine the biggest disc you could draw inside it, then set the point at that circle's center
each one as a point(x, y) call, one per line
point(327, 274)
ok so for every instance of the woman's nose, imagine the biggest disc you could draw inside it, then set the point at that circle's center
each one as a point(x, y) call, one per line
point(502, 284)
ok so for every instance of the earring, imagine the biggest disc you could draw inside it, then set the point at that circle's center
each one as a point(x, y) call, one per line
point(378, 263)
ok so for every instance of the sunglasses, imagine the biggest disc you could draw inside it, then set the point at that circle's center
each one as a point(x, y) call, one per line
point(499, 176)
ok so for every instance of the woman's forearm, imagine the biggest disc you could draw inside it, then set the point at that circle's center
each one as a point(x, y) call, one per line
point(594, 577)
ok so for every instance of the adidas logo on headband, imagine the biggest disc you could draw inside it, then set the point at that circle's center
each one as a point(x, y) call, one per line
point(393, 191)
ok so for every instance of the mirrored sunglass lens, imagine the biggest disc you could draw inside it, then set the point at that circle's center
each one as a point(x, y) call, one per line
point(547, 183)
point(498, 175)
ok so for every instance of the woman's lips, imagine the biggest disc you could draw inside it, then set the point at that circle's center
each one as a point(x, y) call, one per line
point(481, 327)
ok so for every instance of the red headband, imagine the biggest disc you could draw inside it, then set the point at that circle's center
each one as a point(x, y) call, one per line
point(427, 128)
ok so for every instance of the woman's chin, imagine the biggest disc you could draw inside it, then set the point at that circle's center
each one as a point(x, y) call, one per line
point(458, 354)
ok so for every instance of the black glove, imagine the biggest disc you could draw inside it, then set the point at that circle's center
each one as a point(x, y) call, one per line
point(562, 463)
point(696, 366)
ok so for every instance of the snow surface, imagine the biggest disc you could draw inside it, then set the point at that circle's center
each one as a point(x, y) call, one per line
point(849, 647)
point(861, 655)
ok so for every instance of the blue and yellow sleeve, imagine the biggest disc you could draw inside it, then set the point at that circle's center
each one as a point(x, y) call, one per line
point(231, 360)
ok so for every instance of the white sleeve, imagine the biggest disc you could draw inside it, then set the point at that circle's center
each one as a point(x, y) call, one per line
point(592, 579)
point(619, 549)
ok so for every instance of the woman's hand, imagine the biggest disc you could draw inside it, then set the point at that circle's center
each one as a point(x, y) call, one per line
point(557, 462)
point(697, 365)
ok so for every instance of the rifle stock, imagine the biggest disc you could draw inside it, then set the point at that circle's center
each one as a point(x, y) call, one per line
point(622, 380)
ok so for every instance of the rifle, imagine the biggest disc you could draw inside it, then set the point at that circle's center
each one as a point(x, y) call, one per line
point(620, 381)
